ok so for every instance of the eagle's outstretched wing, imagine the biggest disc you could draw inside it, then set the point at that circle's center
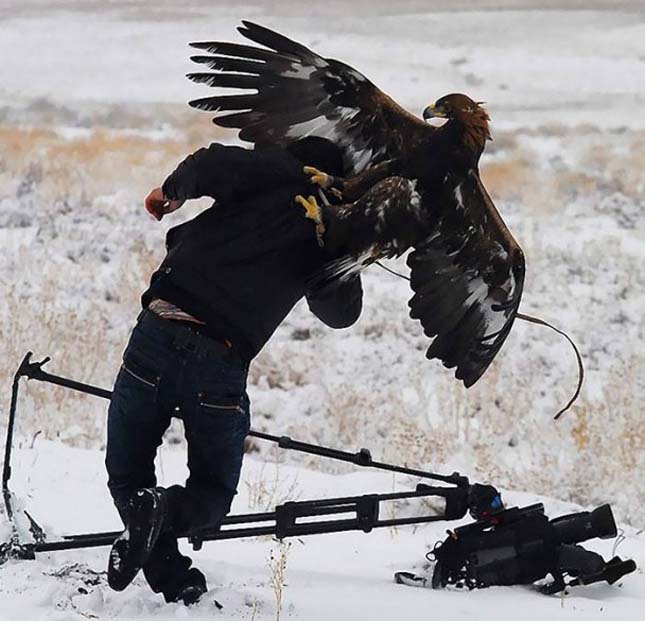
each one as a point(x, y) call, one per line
point(300, 93)
point(467, 277)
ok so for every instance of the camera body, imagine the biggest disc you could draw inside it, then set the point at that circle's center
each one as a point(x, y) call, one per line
point(522, 546)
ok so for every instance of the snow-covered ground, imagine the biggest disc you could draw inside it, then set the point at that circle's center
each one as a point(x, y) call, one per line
point(93, 115)
point(340, 576)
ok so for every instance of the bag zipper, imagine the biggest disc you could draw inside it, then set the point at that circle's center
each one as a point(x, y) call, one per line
point(141, 379)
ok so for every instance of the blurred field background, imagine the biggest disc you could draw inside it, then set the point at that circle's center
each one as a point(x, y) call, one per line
point(93, 115)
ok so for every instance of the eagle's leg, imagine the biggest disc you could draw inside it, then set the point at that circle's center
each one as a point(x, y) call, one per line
point(313, 212)
point(324, 180)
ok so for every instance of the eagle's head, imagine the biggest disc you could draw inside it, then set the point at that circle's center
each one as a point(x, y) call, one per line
point(462, 109)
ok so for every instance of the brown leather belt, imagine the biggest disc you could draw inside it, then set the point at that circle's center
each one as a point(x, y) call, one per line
point(186, 335)
point(168, 310)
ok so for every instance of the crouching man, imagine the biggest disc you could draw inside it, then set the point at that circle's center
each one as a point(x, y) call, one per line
point(229, 278)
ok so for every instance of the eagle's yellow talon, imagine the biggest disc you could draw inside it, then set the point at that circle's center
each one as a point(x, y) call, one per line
point(317, 177)
point(313, 212)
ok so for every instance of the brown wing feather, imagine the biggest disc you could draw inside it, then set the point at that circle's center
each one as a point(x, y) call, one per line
point(299, 93)
point(384, 222)
point(467, 278)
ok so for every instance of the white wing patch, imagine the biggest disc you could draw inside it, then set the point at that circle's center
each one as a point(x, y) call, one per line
point(299, 71)
point(458, 197)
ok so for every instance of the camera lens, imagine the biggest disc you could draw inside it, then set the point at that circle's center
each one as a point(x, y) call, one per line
point(578, 527)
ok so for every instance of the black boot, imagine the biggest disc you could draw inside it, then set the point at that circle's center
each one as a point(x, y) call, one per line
point(189, 591)
point(147, 511)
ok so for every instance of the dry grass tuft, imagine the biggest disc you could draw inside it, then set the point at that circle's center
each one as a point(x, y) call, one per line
point(98, 162)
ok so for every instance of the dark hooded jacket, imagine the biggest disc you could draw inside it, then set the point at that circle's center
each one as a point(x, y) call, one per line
point(241, 265)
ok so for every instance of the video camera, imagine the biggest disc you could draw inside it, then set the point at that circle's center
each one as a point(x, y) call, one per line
point(522, 546)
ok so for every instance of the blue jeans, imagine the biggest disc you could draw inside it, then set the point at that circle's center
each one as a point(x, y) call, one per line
point(170, 370)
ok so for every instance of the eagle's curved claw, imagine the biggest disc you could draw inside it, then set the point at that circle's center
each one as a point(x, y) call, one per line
point(311, 207)
point(313, 212)
point(325, 181)
point(318, 177)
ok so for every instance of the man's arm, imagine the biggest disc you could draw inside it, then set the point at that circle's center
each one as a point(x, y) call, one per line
point(222, 173)
point(226, 172)
point(337, 304)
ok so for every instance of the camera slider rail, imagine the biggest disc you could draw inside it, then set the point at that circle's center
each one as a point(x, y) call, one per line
point(281, 523)
point(354, 513)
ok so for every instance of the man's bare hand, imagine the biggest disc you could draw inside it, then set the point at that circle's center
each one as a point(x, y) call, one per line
point(158, 205)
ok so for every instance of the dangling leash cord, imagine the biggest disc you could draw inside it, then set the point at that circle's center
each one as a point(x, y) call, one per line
point(581, 368)
point(539, 322)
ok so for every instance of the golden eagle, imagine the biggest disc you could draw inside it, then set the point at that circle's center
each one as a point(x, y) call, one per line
point(411, 184)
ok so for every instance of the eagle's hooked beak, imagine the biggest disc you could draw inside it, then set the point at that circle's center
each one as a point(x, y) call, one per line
point(433, 111)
